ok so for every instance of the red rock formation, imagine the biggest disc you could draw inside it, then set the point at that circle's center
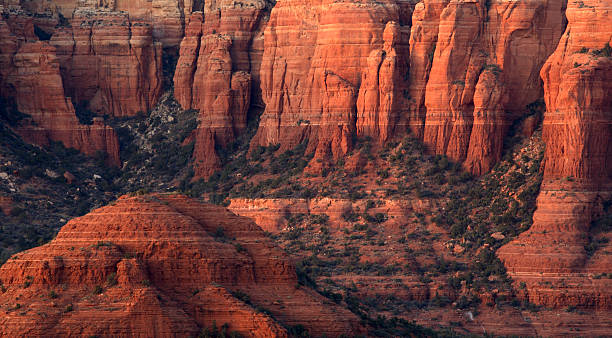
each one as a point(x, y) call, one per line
point(423, 37)
point(315, 58)
point(384, 87)
point(213, 75)
point(109, 64)
point(271, 214)
point(550, 258)
point(36, 88)
point(485, 64)
point(160, 266)
point(167, 17)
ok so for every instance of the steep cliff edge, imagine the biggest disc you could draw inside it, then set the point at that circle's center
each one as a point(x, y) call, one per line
point(455, 73)
point(110, 64)
point(315, 58)
point(214, 74)
point(162, 259)
point(484, 73)
point(561, 258)
point(31, 81)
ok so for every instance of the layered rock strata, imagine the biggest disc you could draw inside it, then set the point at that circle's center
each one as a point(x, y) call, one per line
point(31, 81)
point(160, 265)
point(167, 17)
point(110, 64)
point(562, 257)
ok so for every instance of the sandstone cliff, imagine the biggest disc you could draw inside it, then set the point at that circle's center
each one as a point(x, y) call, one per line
point(31, 80)
point(458, 73)
point(315, 58)
point(110, 64)
point(160, 265)
point(484, 72)
point(560, 257)
point(213, 74)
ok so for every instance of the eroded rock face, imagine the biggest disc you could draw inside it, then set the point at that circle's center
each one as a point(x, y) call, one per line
point(484, 73)
point(214, 74)
point(458, 77)
point(167, 17)
point(31, 81)
point(110, 64)
point(577, 170)
point(271, 214)
point(160, 265)
point(316, 59)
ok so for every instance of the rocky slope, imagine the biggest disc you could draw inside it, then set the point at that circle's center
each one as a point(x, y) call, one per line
point(566, 248)
point(165, 259)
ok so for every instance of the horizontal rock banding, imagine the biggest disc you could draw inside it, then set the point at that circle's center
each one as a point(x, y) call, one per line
point(161, 258)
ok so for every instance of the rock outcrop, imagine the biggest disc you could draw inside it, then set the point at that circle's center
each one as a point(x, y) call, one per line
point(562, 254)
point(31, 81)
point(160, 265)
point(316, 58)
point(167, 17)
point(484, 72)
point(271, 214)
point(110, 64)
point(214, 74)
point(458, 77)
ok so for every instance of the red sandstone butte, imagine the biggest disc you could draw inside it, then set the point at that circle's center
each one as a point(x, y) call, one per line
point(160, 265)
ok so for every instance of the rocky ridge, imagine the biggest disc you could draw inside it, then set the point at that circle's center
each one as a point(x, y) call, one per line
point(183, 264)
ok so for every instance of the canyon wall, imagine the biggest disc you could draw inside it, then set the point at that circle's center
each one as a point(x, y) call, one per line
point(316, 56)
point(31, 81)
point(161, 265)
point(562, 254)
point(110, 63)
point(95, 61)
point(214, 74)
point(457, 73)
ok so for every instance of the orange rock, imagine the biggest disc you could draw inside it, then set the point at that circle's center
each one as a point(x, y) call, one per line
point(213, 75)
point(383, 91)
point(577, 170)
point(315, 57)
point(483, 74)
point(36, 87)
point(109, 64)
point(423, 37)
point(166, 260)
point(167, 17)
